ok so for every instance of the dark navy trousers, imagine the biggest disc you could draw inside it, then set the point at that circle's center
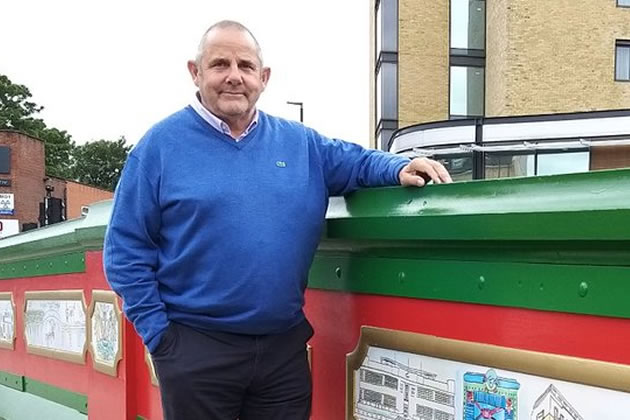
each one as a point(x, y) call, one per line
point(222, 376)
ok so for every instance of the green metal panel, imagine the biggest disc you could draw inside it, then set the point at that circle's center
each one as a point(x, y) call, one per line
point(55, 264)
point(61, 396)
point(595, 290)
point(12, 381)
point(56, 249)
point(559, 243)
point(588, 206)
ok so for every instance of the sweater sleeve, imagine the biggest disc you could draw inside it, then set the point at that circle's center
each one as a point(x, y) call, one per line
point(131, 251)
point(349, 166)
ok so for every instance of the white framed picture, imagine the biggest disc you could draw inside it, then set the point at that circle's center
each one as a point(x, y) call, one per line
point(105, 331)
point(55, 324)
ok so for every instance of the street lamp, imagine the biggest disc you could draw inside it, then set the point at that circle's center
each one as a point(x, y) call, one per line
point(301, 104)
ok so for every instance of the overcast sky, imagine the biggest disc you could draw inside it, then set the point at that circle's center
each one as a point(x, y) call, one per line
point(103, 69)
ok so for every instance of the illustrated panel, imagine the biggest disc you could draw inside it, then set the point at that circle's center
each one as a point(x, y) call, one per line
point(7, 321)
point(105, 332)
point(55, 324)
point(406, 381)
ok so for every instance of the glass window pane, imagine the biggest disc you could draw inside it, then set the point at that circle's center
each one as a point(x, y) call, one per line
point(508, 166)
point(379, 29)
point(468, 24)
point(460, 167)
point(389, 28)
point(382, 140)
point(623, 2)
point(388, 91)
point(379, 97)
point(467, 91)
point(623, 63)
point(563, 163)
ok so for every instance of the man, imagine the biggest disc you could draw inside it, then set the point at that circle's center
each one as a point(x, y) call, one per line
point(214, 226)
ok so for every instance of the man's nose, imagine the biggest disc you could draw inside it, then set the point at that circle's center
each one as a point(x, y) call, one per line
point(234, 75)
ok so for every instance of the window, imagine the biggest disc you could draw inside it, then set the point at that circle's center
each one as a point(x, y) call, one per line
point(5, 160)
point(623, 3)
point(460, 167)
point(386, 71)
point(467, 92)
point(468, 24)
point(622, 61)
point(504, 165)
point(562, 163)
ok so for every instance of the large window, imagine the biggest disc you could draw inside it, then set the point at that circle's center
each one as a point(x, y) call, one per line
point(386, 71)
point(468, 24)
point(467, 58)
point(460, 167)
point(467, 92)
point(622, 61)
point(623, 3)
point(508, 165)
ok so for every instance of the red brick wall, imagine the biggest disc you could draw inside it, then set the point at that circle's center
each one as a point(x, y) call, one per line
point(27, 175)
point(79, 195)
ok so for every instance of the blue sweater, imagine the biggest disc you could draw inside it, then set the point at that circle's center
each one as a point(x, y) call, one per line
point(220, 235)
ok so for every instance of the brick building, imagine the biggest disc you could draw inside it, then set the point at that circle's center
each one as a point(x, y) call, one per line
point(447, 60)
point(24, 187)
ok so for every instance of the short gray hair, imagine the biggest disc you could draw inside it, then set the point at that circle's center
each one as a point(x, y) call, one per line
point(224, 24)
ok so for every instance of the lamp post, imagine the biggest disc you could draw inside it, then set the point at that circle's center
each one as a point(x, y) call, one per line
point(301, 104)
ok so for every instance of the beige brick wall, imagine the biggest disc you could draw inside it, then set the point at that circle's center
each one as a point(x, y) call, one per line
point(423, 56)
point(554, 56)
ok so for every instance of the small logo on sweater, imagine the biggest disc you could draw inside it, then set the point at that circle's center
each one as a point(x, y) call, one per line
point(281, 164)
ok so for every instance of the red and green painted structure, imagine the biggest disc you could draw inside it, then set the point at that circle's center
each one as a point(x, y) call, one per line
point(538, 263)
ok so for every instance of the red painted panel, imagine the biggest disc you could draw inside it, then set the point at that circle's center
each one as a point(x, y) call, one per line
point(337, 318)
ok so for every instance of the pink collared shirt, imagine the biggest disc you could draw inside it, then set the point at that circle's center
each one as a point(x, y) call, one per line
point(217, 122)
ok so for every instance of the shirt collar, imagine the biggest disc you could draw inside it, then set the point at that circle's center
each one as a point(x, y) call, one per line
point(217, 122)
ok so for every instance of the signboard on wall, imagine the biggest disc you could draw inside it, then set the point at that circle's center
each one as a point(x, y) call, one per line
point(9, 227)
point(7, 205)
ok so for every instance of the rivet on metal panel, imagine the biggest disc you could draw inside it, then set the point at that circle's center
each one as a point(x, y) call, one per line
point(583, 290)
point(338, 272)
point(401, 277)
point(482, 282)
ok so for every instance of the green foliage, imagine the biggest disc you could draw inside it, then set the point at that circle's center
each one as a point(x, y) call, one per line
point(17, 113)
point(100, 163)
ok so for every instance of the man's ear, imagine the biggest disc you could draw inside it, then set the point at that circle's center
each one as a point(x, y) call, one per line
point(265, 75)
point(194, 71)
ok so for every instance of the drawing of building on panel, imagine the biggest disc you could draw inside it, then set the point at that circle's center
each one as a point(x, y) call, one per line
point(7, 321)
point(56, 325)
point(551, 405)
point(387, 389)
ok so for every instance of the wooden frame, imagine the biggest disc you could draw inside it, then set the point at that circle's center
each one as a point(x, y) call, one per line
point(56, 295)
point(108, 366)
point(551, 367)
point(9, 344)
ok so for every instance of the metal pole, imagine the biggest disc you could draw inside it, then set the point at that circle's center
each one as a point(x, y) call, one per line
point(301, 105)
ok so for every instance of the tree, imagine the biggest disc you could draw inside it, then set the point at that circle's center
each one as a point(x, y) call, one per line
point(17, 113)
point(100, 163)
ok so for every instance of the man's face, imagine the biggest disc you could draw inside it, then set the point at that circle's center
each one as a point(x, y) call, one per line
point(229, 74)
